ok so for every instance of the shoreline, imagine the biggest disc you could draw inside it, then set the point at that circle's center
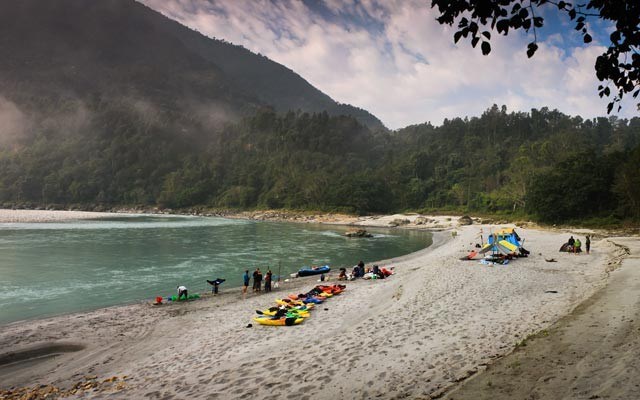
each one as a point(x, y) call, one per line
point(439, 318)
point(406, 221)
point(8, 216)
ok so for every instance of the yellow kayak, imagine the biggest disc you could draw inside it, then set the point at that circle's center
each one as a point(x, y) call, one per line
point(289, 302)
point(278, 322)
point(299, 313)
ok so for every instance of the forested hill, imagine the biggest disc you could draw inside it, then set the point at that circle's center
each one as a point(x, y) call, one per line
point(543, 164)
point(107, 103)
point(95, 57)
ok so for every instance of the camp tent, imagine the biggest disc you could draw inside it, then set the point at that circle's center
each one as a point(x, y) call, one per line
point(505, 241)
point(496, 248)
point(506, 234)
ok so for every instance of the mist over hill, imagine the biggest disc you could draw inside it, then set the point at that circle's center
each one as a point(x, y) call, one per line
point(82, 57)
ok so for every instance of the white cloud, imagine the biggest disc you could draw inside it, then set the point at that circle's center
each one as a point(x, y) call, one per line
point(393, 59)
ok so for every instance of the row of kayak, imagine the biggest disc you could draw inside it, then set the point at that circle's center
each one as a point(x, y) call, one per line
point(296, 307)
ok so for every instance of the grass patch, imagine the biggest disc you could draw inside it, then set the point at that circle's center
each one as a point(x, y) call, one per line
point(541, 334)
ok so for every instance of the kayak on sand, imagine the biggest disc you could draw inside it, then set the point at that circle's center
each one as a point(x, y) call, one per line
point(308, 271)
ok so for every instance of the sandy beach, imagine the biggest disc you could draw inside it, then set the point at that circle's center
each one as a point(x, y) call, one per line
point(19, 216)
point(435, 323)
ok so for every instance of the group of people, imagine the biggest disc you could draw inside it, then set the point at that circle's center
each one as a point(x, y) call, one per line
point(575, 245)
point(359, 271)
point(257, 280)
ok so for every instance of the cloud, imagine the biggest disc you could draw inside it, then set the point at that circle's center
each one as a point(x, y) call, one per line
point(392, 58)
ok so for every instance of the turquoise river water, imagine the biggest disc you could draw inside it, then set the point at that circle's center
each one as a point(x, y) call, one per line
point(56, 268)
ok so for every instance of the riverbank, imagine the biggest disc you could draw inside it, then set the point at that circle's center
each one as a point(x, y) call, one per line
point(415, 221)
point(436, 322)
point(589, 354)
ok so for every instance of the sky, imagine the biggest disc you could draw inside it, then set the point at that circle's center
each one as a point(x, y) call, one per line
point(392, 58)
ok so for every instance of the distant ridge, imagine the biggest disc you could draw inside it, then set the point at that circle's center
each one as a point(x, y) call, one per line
point(121, 49)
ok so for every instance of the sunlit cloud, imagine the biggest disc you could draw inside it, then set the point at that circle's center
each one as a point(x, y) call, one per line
point(393, 59)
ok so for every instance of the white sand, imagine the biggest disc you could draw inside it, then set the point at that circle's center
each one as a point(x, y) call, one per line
point(436, 321)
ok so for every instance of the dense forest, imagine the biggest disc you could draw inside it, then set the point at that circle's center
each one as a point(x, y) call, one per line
point(542, 164)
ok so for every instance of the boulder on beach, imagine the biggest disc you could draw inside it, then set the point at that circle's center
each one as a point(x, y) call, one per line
point(358, 233)
point(399, 221)
point(465, 220)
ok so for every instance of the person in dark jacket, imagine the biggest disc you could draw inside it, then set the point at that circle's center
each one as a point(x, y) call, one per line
point(259, 280)
point(255, 280)
point(267, 281)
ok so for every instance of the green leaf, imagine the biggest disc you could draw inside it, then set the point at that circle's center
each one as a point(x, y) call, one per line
point(538, 22)
point(486, 48)
point(503, 26)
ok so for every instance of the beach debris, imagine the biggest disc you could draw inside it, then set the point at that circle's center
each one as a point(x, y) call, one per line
point(550, 260)
point(551, 291)
point(47, 391)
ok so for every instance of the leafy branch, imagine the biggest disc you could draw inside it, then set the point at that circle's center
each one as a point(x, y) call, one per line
point(612, 67)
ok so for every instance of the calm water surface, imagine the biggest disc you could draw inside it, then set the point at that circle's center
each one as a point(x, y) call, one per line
point(55, 268)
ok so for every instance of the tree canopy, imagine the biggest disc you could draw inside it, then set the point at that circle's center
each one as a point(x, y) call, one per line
point(543, 164)
point(618, 67)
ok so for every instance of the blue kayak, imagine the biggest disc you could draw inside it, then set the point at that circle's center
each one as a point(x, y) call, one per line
point(308, 271)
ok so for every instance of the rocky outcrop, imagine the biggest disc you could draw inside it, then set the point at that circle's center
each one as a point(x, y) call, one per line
point(398, 222)
point(465, 220)
point(358, 233)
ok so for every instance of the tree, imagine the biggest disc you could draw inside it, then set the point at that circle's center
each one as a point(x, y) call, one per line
point(619, 65)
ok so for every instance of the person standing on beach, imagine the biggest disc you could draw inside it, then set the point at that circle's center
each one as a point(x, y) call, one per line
point(255, 280)
point(587, 244)
point(245, 278)
point(576, 246)
point(267, 281)
point(259, 282)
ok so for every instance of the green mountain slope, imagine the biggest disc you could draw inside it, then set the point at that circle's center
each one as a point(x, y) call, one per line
point(122, 51)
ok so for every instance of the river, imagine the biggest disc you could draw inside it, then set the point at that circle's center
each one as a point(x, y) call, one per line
point(56, 268)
